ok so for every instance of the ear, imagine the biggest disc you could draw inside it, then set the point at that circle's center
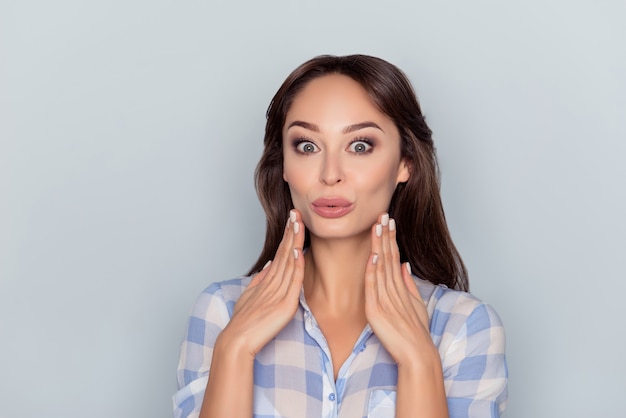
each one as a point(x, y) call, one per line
point(404, 172)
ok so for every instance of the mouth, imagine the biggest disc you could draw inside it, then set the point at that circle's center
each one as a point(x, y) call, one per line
point(332, 207)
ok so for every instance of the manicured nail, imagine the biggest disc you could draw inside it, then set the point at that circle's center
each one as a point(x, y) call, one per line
point(379, 230)
point(267, 264)
point(385, 219)
point(292, 216)
point(375, 259)
point(392, 224)
point(296, 227)
point(295, 253)
point(408, 268)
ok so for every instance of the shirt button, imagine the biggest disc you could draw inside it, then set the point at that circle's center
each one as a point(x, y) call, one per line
point(332, 397)
point(363, 347)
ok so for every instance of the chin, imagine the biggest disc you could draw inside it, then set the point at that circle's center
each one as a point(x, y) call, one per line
point(332, 229)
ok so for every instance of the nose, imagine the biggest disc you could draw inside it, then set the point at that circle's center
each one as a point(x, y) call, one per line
point(332, 172)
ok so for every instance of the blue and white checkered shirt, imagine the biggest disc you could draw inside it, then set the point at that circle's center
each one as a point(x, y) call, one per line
point(293, 373)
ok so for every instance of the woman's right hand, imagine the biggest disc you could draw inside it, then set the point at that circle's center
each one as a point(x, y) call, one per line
point(271, 299)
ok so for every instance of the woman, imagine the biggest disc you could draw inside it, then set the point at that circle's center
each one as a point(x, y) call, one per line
point(330, 321)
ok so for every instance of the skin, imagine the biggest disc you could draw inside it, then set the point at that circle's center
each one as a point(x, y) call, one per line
point(318, 119)
point(336, 144)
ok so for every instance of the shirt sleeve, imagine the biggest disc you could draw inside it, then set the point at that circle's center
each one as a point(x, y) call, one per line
point(208, 318)
point(474, 363)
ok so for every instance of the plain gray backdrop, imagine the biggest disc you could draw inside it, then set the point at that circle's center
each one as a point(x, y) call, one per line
point(129, 133)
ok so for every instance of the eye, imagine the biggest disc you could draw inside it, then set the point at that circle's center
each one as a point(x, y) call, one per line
point(360, 146)
point(306, 147)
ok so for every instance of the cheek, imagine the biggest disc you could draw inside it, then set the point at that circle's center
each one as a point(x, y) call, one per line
point(297, 185)
point(299, 202)
point(380, 185)
point(285, 170)
point(292, 169)
point(290, 175)
point(296, 196)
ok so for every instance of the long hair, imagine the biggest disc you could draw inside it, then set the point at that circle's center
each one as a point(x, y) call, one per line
point(422, 234)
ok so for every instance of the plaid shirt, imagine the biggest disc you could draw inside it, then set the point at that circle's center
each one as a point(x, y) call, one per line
point(293, 373)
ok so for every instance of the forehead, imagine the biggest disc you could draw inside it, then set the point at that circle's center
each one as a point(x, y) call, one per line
point(334, 98)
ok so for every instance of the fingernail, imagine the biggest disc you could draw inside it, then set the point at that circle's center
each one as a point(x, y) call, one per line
point(379, 230)
point(295, 253)
point(292, 216)
point(385, 219)
point(408, 268)
point(267, 264)
point(375, 259)
point(392, 224)
point(296, 227)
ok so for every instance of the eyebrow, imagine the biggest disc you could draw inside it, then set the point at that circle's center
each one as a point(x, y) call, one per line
point(346, 130)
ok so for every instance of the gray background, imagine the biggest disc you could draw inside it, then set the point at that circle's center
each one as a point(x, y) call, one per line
point(129, 135)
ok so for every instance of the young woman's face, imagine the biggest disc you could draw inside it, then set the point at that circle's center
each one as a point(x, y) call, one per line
point(341, 157)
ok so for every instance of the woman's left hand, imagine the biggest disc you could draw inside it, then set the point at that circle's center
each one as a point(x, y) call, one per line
point(398, 317)
point(393, 305)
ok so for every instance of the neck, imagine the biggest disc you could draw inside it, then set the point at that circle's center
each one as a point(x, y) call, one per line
point(335, 272)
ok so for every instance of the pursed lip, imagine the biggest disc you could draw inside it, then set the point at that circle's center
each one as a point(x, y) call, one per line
point(331, 207)
point(331, 201)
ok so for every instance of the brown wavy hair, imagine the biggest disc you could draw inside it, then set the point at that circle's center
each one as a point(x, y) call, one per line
point(423, 235)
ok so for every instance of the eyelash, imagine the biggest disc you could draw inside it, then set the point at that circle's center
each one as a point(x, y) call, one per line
point(367, 141)
point(299, 141)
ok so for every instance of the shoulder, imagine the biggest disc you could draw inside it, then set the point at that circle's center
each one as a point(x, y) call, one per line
point(469, 336)
point(222, 294)
point(228, 289)
point(456, 313)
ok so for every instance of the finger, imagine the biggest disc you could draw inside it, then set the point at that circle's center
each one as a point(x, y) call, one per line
point(402, 273)
point(407, 277)
point(299, 231)
point(371, 285)
point(393, 277)
point(258, 278)
point(275, 274)
point(289, 252)
point(387, 258)
point(416, 298)
point(284, 242)
point(394, 252)
point(253, 286)
point(376, 260)
point(297, 275)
